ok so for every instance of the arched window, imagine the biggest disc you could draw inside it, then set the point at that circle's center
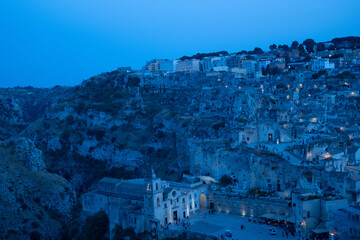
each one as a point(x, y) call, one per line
point(158, 202)
point(157, 186)
point(190, 197)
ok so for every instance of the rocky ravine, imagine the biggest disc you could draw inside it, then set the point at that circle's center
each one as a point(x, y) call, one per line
point(19, 107)
point(116, 120)
point(31, 199)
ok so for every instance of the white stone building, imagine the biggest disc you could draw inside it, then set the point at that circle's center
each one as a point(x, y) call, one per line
point(147, 203)
point(192, 65)
point(322, 64)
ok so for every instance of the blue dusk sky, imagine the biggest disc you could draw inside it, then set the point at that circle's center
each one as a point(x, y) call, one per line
point(62, 42)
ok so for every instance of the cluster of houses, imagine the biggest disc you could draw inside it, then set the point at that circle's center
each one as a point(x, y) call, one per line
point(243, 64)
point(293, 133)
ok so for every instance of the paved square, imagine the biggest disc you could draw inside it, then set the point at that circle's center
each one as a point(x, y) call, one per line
point(207, 228)
point(216, 224)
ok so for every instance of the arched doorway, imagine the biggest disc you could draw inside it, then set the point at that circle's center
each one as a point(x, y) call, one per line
point(203, 201)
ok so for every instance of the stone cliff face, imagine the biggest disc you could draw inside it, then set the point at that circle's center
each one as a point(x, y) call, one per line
point(21, 106)
point(11, 117)
point(27, 152)
point(114, 120)
point(31, 199)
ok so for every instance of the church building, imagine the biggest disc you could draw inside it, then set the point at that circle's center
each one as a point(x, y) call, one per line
point(146, 204)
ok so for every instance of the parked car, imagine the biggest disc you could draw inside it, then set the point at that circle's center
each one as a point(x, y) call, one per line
point(228, 233)
point(272, 231)
point(254, 220)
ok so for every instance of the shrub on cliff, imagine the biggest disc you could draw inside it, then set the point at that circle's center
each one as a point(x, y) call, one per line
point(225, 180)
point(97, 227)
point(35, 235)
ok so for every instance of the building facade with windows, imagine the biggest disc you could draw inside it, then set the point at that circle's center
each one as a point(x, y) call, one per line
point(146, 203)
point(346, 223)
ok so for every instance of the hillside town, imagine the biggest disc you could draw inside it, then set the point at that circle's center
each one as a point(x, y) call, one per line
point(282, 149)
point(180, 120)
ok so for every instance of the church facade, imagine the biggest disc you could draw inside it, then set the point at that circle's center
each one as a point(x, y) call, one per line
point(146, 203)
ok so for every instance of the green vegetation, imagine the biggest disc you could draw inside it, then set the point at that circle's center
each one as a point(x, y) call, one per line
point(225, 180)
point(354, 42)
point(65, 135)
point(312, 197)
point(240, 119)
point(294, 45)
point(273, 47)
point(35, 235)
point(309, 45)
point(259, 193)
point(344, 75)
point(308, 175)
point(257, 51)
point(133, 82)
point(100, 94)
point(121, 234)
point(270, 71)
point(203, 55)
point(35, 224)
point(218, 125)
point(69, 120)
point(98, 133)
point(319, 74)
point(97, 227)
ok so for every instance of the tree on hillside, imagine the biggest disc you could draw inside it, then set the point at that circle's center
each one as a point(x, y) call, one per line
point(275, 71)
point(294, 45)
point(307, 58)
point(242, 52)
point(119, 233)
point(347, 42)
point(35, 235)
point(332, 47)
point(97, 227)
point(200, 56)
point(249, 57)
point(309, 45)
point(263, 71)
point(284, 47)
point(258, 50)
point(272, 47)
point(133, 82)
point(225, 180)
point(320, 47)
point(301, 49)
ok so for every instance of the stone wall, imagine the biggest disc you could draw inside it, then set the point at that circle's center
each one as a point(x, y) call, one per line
point(250, 207)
